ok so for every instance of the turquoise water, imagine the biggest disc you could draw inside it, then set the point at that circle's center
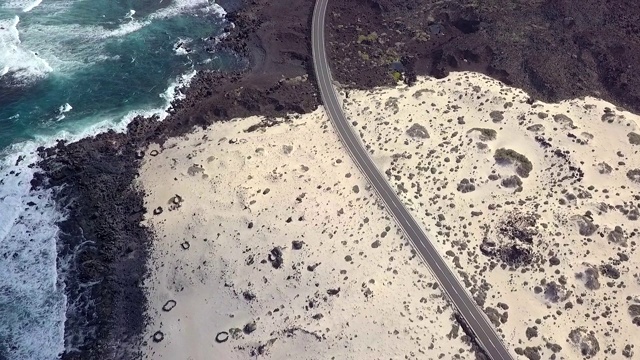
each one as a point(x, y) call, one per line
point(68, 69)
point(97, 58)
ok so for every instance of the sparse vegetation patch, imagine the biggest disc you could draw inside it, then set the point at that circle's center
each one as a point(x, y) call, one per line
point(508, 156)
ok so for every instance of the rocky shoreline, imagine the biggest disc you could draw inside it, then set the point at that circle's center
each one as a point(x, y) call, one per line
point(94, 179)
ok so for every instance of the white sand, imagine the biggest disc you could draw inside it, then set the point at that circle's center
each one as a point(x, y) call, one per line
point(290, 182)
point(428, 172)
point(294, 181)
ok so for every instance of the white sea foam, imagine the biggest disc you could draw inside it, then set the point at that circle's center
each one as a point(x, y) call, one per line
point(182, 46)
point(15, 60)
point(178, 7)
point(65, 108)
point(130, 14)
point(44, 49)
point(125, 29)
point(32, 300)
point(182, 6)
point(62, 110)
point(20, 5)
point(32, 5)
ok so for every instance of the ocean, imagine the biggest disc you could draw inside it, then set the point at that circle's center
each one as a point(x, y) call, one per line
point(70, 69)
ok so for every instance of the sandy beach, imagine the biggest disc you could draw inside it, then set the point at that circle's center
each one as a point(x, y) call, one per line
point(266, 231)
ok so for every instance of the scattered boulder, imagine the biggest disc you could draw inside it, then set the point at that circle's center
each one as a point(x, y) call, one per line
point(235, 333)
point(249, 328)
point(297, 244)
point(248, 295)
point(333, 291)
point(275, 257)
point(519, 226)
point(194, 170)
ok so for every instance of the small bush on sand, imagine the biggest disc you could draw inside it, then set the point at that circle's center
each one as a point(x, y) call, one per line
point(508, 156)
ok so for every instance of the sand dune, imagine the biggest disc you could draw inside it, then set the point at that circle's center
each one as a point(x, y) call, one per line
point(534, 204)
point(348, 288)
point(272, 236)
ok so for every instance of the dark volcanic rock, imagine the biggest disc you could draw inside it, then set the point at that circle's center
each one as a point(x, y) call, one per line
point(556, 49)
point(275, 257)
point(250, 327)
point(92, 178)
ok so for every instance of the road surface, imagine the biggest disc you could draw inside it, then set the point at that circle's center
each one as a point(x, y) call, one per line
point(475, 319)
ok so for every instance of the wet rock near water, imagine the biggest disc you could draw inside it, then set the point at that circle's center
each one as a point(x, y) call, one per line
point(96, 173)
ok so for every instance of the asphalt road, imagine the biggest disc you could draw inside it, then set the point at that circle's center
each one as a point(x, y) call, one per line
point(486, 335)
